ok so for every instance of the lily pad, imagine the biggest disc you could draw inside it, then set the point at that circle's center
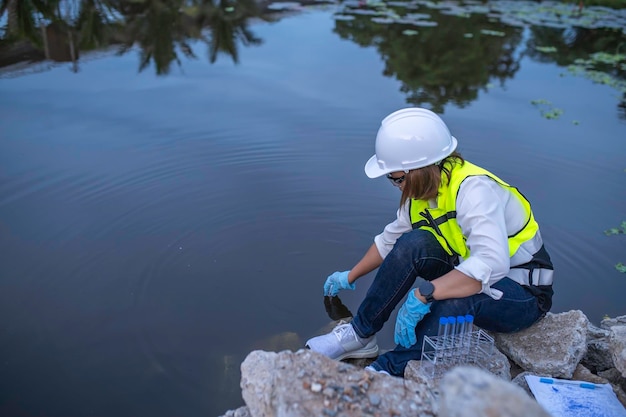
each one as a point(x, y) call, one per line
point(284, 6)
point(425, 23)
point(492, 32)
point(382, 20)
point(546, 49)
point(345, 17)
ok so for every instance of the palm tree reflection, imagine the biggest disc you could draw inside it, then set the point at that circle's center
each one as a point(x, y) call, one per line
point(160, 28)
point(163, 30)
point(227, 23)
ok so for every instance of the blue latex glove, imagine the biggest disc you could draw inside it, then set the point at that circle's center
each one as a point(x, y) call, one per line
point(411, 313)
point(337, 281)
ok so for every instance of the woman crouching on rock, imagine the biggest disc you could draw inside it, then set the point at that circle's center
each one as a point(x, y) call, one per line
point(464, 242)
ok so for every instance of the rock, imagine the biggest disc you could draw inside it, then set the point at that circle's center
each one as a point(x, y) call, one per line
point(520, 381)
point(469, 392)
point(584, 374)
point(553, 346)
point(609, 322)
point(240, 412)
point(614, 377)
point(617, 347)
point(565, 345)
point(497, 364)
point(415, 372)
point(598, 357)
point(305, 383)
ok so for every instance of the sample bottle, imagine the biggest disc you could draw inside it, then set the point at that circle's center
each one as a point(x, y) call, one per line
point(440, 346)
point(460, 336)
point(449, 341)
point(471, 339)
point(469, 323)
point(443, 328)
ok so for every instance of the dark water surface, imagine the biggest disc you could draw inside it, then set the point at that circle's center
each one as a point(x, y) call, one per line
point(155, 229)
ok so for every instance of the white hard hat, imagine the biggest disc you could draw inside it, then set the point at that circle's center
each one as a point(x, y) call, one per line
point(409, 139)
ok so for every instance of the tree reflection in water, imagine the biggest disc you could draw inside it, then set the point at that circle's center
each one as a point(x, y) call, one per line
point(162, 29)
point(593, 53)
point(456, 53)
point(227, 22)
point(442, 64)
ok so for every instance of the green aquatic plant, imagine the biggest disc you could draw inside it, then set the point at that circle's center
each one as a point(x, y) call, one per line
point(492, 32)
point(599, 67)
point(546, 49)
point(552, 113)
point(620, 230)
point(546, 109)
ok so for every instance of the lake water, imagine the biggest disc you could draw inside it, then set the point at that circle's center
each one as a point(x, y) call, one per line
point(156, 228)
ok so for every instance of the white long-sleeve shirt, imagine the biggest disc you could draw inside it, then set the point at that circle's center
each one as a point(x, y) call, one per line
point(487, 214)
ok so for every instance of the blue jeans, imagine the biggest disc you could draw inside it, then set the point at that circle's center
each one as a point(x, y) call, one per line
point(419, 254)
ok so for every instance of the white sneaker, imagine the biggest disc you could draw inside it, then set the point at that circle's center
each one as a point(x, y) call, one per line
point(344, 343)
point(372, 369)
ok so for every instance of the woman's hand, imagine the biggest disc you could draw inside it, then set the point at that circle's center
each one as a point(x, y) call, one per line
point(337, 281)
point(411, 313)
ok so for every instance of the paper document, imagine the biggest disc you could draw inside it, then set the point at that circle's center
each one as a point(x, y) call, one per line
point(565, 398)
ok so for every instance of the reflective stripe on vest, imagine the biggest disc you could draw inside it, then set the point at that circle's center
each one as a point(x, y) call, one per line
point(441, 221)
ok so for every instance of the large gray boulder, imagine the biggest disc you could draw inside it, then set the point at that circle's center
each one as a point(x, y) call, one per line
point(598, 356)
point(617, 347)
point(471, 392)
point(609, 322)
point(552, 346)
point(305, 384)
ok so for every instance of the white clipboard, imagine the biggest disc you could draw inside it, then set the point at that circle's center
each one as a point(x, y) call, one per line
point(565, 398)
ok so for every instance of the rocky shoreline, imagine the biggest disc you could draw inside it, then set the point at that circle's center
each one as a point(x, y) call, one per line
point(564, 345)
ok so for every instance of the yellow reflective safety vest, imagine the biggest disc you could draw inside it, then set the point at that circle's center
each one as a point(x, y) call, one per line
point(441, 221)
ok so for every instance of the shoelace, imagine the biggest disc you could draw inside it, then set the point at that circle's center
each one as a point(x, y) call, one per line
point(341, 329)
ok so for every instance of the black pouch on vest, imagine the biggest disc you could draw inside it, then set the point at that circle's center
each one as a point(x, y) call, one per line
point(540, 260)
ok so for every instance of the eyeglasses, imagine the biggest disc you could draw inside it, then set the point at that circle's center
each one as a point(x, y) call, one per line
point(396, 181)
